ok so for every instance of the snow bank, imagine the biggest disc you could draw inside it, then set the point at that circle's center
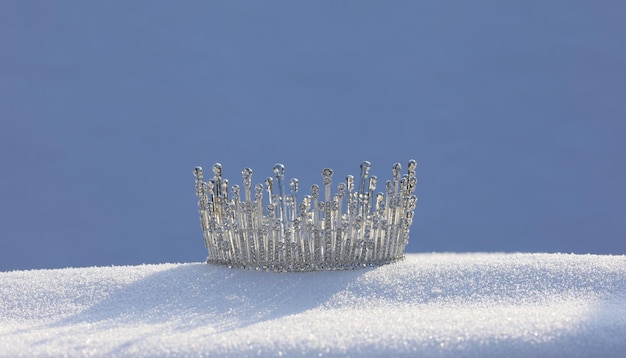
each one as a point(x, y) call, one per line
point(439, 305)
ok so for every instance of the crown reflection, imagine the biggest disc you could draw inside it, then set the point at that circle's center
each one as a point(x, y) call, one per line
point(349, 229)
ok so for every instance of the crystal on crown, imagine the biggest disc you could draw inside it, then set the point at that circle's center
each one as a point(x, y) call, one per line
point(329, 233)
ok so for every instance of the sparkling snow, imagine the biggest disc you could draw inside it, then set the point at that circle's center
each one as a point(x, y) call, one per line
point(429, 305)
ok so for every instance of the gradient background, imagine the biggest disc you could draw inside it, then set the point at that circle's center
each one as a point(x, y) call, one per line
point(515, 112)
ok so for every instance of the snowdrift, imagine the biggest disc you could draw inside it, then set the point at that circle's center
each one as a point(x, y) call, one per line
point(439, 305)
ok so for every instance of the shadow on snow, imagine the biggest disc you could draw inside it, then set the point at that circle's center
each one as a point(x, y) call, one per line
point(216, 296)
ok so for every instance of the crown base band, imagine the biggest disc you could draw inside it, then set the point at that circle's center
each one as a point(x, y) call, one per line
point(298, 267)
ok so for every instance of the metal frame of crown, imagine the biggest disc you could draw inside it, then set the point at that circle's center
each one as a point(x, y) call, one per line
point(347, 230)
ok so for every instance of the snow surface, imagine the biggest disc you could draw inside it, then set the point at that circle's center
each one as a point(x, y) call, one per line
point(439, 305)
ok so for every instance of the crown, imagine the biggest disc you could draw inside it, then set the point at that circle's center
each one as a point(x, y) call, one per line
point(347, 230)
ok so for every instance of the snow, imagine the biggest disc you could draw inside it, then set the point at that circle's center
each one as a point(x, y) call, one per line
point(429, 305)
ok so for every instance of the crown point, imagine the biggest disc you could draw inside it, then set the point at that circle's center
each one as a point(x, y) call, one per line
point(350, 182)
point(246, 173)
point(373, 180)
point(315, 190)
point(412, 184)
point(412, 164)
point(365, 169)
point(293, 184)
point(269, 183)
point(258, 191)
point(397, 171)
point(341, 190)
point(236, 191)
point(279, 169)
point(197, 171)
point(327, 174)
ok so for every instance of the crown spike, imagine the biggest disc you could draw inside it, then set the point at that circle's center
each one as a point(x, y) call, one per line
point(246, 174)
point(327, 175)
point(197, 172)
point(279, 172)
point(365, 168)
point(411, 167)
point(269, 184)
point(225, 190)
point(217, 179)
point(370, 193)
point(291, 200)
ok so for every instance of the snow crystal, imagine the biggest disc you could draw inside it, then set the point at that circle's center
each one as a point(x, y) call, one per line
point(443, 305)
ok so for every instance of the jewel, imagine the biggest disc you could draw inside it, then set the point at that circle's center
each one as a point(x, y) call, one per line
point(293, 184)
point(315, 191)
point(327, 174)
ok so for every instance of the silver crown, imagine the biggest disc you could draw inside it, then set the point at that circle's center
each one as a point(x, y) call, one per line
point(365, 229)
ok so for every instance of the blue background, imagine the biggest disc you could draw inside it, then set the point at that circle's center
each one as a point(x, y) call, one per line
point(515, 112)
